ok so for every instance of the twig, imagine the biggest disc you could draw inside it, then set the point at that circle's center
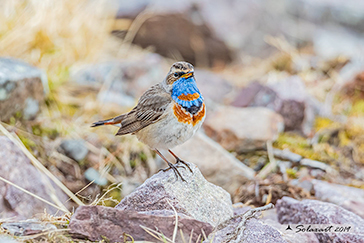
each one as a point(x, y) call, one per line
point(248, 215)
point(82, 189)
point(271, 166)
point(238, 233)
point(97, 201)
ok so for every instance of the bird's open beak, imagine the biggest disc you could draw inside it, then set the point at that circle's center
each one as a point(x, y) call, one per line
point(187, 75)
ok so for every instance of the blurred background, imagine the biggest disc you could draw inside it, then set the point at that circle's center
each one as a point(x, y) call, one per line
point(283, 82)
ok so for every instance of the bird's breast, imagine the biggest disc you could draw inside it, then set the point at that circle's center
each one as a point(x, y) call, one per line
point(192, 115)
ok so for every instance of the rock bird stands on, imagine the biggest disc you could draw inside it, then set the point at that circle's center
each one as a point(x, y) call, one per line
point(167, 114)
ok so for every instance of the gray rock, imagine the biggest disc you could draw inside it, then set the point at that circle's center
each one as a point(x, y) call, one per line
point(318, 173)
point(93, 175)
point(347, 197)
point(7, 239)
point(21, 89)
point(318, 165)
point(304, 184)
point(351, 70)
point(216, 164)
point(343, 13)
point(256, 94)
point(13, 70)
point(288, 98)
point(122, 82)
point(283, 166)
point(239, 208)
point(352, 82)
point(111, 76)
point(330, 43)
point(196, 198)
point(190, 37)
point(131, 10)
point(291, 211)
point(243, 129)
point(75, 149)
point(296, 106)
point(255, 231)
point(285, 154)
point(270, 219)
point(28, 227)
point(31, 108)
point(241, 26)
point(287, 235)
point(97, 222)
point(129, 185)
point(239, 23)
point(98, 73)
point(17, 168)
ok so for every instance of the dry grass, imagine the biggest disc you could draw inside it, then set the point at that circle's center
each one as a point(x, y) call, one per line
point(52, 34)
point(162, 238)
point(41, 168)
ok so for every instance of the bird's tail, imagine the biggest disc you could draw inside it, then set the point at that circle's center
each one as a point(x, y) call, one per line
point(113, 121)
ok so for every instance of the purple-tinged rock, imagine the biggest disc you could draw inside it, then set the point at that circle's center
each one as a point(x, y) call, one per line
point(97, 223)
point(243, 129)
point(17, 168)
point(254, 231)
point(288, 98)
point(292, 211)
point(350, 198)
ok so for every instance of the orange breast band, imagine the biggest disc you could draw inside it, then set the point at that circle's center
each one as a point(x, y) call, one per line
point(189, 97)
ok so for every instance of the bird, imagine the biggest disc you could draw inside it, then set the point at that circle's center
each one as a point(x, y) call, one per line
point(168, 114)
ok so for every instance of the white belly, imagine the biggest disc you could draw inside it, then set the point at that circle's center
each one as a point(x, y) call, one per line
point(167, 132)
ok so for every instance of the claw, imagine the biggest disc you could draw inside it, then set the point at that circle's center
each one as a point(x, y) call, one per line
point(175, 170)
point(172, 166)
point(179, 160)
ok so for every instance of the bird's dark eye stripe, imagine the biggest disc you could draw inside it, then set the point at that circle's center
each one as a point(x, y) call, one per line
point(179, 74)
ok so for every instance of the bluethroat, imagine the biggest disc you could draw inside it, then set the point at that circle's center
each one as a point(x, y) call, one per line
point(167, 114)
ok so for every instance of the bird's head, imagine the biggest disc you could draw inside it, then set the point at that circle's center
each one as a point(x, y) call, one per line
point(179, 72)
point(181, 83)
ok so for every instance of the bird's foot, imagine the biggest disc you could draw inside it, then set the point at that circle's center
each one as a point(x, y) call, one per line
point(175, 170)
point(185, 163)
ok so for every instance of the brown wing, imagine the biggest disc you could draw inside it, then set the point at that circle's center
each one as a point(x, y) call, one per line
point(149, 109)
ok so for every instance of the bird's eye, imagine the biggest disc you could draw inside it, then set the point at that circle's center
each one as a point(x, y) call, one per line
point(176, 75)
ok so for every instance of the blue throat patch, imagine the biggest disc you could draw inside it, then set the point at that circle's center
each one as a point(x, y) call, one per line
point(186, 86)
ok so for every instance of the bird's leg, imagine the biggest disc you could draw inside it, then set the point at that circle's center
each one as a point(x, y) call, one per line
point(179, 160)
point(171, 166)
